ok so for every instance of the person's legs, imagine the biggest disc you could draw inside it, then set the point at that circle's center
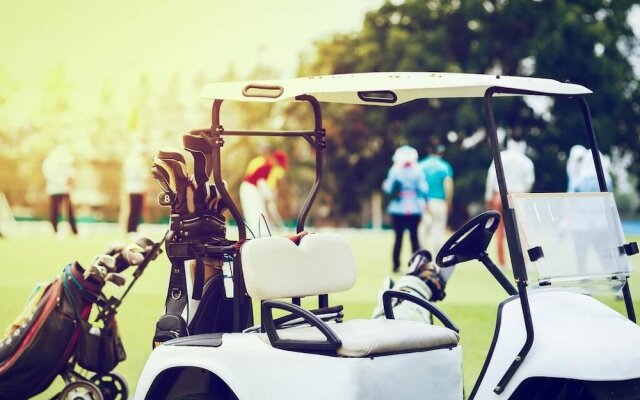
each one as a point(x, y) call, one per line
point(54, 206)
point(424, 228)
point(412, 225)
point(398, 228)
point(439, 212)
point(135, 209)
point(70, 216)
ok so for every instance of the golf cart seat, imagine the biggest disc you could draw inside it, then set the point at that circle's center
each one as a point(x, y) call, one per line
point(276, 268)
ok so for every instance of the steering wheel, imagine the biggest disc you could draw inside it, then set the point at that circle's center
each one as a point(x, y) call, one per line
point(470, 241)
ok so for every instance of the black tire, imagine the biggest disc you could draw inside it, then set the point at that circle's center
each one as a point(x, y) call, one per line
point(113, 386)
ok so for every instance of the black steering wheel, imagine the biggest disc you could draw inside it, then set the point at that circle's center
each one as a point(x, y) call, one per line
point(470, 241)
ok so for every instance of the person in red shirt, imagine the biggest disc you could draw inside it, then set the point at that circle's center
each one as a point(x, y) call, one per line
point(257, 191)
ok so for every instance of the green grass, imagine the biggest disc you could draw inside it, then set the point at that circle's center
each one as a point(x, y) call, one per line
point(471, 302)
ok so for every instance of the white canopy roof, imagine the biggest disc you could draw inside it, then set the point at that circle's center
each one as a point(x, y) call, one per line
point(382, 88)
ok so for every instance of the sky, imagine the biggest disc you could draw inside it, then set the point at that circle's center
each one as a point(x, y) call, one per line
point(118, 40)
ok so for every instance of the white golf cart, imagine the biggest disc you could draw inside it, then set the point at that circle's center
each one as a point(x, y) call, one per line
point(549, 341)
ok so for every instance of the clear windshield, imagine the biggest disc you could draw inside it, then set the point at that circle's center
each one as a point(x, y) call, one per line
point(580, 235)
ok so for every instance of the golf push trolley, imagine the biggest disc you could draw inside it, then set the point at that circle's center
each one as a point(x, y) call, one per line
point(53, 335)
point(550, 341)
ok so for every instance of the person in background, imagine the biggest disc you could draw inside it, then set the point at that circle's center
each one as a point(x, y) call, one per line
point(519, 176)
point(581, 171)
point(439, 176)
point(258, 190)
point(58, 172)
point(135, 171)
point(407, 188)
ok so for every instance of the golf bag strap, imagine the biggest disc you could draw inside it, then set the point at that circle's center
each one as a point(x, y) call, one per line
point(198, 279)
point(177, 294)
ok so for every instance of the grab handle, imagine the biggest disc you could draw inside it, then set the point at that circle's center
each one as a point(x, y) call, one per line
point(258, 90)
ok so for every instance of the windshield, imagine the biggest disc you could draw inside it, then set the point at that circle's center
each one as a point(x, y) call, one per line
point(580, 235)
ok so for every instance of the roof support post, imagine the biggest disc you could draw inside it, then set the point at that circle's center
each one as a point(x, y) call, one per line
point(319, 143)
point(513, 240)
point(602, 183)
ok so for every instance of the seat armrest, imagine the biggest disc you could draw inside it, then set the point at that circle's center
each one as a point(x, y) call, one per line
point(389, 295)
point(331, 344)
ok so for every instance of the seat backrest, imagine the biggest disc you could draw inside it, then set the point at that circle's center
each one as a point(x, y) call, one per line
point(275, 267)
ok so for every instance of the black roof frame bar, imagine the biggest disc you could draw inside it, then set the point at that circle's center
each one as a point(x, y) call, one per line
point(315, 137)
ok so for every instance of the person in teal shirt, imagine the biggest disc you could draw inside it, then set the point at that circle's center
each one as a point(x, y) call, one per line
point(439, 176)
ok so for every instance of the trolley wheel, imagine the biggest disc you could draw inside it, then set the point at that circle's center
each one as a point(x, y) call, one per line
point(80, 390)
point(112, 385)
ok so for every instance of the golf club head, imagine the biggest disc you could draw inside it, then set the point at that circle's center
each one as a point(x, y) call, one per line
point(96, 274)
point(131, 254)
point(171, 171)
point(146, 245)
point(200, 149)
point(115, 278)
point(104, 261)
point(167, 197)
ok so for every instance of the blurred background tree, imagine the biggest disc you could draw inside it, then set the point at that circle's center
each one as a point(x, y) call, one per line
point(585, 42)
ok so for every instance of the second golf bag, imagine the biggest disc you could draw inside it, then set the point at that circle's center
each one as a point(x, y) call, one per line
point(39, 343)
point(52, 334)
point(423, 280)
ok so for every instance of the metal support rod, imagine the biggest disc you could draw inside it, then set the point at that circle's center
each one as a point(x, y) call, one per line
point(528, 323)
point(216, 132)
point(626, 292)
point(245, 132)
point(602, 183)
point(319, 149)
point(593, 143)
point(495, 271)
point(239, 132)
point(513, 240)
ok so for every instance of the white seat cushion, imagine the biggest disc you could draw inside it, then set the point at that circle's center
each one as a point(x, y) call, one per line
point(275, 267)
point(366, 337)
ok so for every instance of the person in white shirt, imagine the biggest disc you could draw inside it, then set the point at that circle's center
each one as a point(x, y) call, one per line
point(57, 169)
point(135, 172)
point(519, 175)
point(581, 171)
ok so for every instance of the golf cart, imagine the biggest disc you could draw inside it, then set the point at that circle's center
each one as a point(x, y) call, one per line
point(550, 341)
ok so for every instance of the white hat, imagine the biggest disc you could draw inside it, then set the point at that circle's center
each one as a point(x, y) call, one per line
point(405, 154)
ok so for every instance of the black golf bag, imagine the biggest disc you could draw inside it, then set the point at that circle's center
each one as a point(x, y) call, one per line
point(423, 280)
point(200, 291)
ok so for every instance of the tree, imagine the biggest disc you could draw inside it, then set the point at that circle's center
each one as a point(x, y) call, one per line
point(586, 42)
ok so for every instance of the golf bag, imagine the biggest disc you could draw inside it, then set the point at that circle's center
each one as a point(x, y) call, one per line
point(52, 334)
point(198, 301)
point(56, 313)
point(423, 280)
point(199, 295)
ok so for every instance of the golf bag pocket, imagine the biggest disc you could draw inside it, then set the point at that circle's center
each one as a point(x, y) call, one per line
point(29, 356)
point(99, 350)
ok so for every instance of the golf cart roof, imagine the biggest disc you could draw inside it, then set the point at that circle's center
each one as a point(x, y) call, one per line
point(383, 88)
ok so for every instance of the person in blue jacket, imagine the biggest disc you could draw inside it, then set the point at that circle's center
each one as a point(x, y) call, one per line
point(407, 188)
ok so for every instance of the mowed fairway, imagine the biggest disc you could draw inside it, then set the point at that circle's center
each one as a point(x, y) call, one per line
point(471, 302)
